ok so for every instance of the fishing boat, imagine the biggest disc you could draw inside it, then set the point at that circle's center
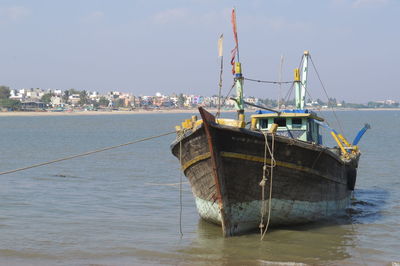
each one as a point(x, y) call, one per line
point(273, 169)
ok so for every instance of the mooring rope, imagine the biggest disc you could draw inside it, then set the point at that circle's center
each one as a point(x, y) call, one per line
point(86, 153)
point(273, 164)
point(263, 182)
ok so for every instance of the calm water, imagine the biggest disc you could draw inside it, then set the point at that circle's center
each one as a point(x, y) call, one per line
point(121, 207)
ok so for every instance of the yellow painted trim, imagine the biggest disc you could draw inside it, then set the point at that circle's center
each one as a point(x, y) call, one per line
point(296, 74)
point(273, 128)
point(279, 163)
point(344, 140)
point(195, 160)
point(238, 68)
point(345, 154)
point(253, 123)
point(231, 122)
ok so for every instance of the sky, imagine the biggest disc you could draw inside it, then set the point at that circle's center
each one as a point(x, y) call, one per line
point(170, 46)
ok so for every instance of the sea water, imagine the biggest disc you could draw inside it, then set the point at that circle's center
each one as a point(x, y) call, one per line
point(121, 207)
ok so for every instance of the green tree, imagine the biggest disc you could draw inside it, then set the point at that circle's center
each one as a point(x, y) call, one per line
point(46, 98)
point(10, 104)
point(181, 100)
point(65, 96)
point(320, 102)
point(118, 103)
point(83, 97)
point(332, 102)
point(103, 101)
point(4, 92)
point(68, 93)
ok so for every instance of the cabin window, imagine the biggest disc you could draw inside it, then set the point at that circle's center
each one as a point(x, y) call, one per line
point(297, 122)
point(280, 121)
point(263, 123)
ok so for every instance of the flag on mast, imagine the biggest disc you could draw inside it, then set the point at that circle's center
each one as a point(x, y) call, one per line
point(234, 28)
point(220, 45)
point(235, 49)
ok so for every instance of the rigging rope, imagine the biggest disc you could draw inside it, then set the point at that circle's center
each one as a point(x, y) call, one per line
point(229, 92)
point(289, 93)
point(86, 153)
point(270, 82)
point(326, 93)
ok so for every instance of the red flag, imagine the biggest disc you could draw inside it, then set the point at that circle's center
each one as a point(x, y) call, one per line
point(234, 27)
point(234, 50)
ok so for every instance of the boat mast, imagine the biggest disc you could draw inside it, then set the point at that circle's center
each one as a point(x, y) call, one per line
point(239, 88)
point(237, 70)
point(300, 83)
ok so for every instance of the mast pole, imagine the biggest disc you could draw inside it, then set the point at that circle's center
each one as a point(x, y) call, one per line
point(304, 80)
point(239, 88)
point(237, 71)
point(297, 88)
point(300, 82)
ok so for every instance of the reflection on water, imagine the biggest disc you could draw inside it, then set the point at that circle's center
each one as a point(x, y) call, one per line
point(311, 243)
point(327, 242)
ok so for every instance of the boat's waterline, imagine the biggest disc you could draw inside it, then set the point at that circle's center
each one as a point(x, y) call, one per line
point(246, 216)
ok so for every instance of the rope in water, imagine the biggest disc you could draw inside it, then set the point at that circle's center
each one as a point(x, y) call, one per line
point(85, 154)
point(263, 182)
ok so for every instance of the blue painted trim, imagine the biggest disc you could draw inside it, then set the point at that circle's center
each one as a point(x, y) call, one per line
point(304, 111)
point(361, 133)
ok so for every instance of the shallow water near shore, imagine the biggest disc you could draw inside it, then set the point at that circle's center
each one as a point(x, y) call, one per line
point(121, 207)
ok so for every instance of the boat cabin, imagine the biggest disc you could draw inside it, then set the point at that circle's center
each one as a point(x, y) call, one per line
point(296, 124)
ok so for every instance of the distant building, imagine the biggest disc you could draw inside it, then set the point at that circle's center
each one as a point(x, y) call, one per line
point(56, 101)
point(74, 99)
point(32, 106)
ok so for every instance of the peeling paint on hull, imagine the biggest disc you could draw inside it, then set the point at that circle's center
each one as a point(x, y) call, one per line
point(246, 216)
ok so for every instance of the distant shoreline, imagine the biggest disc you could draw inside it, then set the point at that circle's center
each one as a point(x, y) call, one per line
point(172, 111)
point(94, 113)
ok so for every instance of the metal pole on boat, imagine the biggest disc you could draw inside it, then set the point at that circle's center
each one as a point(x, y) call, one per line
point(237, 71)
point(304, 71)
point(297, 87)
point(239, 90)
point(300, 82)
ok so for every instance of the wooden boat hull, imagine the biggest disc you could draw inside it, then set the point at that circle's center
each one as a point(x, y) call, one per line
point(225, 166)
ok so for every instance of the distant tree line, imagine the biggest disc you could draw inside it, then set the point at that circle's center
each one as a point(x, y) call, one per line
point(6, 102)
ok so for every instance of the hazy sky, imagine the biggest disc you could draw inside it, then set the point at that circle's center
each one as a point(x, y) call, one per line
point(145, 46)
